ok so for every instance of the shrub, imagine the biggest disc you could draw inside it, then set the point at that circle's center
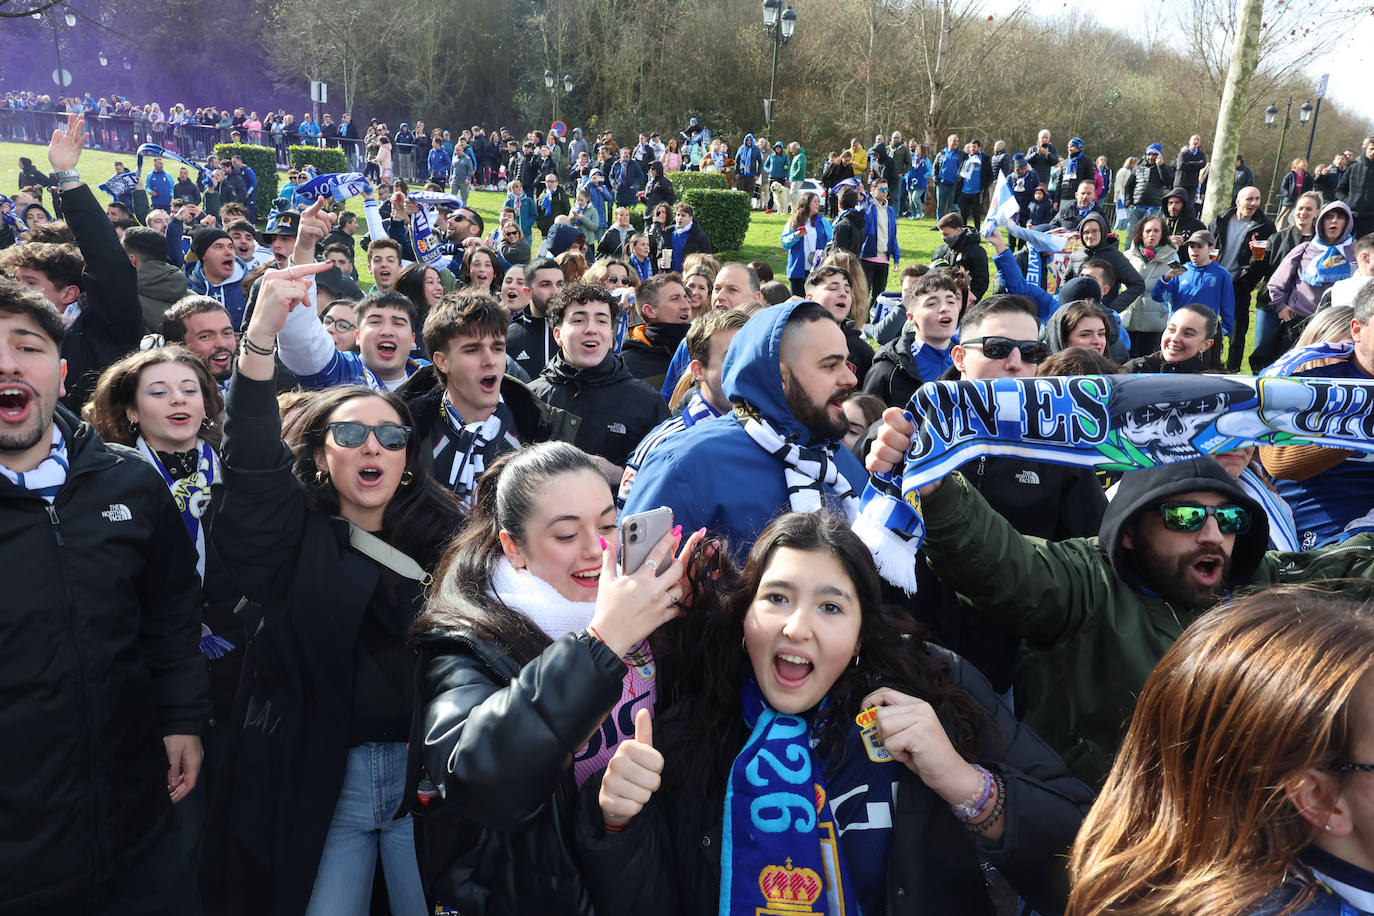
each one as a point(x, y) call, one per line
point(689, 181)
point(325, 161)
point(263, 161)
point(723, 215)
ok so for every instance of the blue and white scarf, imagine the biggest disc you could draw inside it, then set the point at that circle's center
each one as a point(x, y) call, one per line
point(1329, 266)
point(1292, 361)
point(808, 471)
point(1108, 423)
point(158, 152)
point(783, 847)
point(120, 184)
point(46, 479)
point(192, 493)
point(12, 216)
point(468, 440)
point(423, 238)
point(339, 186)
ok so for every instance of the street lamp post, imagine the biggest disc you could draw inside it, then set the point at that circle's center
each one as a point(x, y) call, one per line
point(1308, 110)
point(69, 17)
point(780, 35)
point(1270, 115)
point(553, 93)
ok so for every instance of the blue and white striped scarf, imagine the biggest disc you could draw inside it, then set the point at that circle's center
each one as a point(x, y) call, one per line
point(46, 479)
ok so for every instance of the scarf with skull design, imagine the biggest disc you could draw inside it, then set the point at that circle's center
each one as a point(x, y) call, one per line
point(1107, 423)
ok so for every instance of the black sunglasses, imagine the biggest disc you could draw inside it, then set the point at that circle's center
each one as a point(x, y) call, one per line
point(1191, 517)
point(1032, 351)
point(1350, 768)
point(351, 434)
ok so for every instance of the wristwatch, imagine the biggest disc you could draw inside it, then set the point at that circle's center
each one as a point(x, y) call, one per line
point(67, 175)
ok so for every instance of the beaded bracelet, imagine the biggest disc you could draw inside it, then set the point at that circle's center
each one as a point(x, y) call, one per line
point(260, 350)
point(976, 806)
point(996, 815)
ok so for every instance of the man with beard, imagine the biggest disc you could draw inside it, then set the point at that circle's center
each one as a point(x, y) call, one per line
point(1099, 612)
point(786, 376)
point(106, 690)
point(203, 326)
point(649, 347)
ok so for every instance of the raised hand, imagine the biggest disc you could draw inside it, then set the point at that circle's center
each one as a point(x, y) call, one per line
point(630, 607)
point(314, 225)
point(64, 149)
point(913, 735)
point(633, 775)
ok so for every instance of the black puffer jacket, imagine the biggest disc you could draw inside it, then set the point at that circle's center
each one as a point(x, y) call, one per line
point(497, 743)
point(893, 377)
point(99, 661)
point(667, 860)
point(1146, 185)
point(617, 409)
point(966, 250)
point(850, 232)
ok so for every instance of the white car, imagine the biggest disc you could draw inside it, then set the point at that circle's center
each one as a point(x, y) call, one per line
point(815, 187)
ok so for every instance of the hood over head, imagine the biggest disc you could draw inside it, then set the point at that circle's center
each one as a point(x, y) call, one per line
point(560, 238)
point(748, 139)
point(1349, 223)
point(1183, 195)
point(753, 368)
point(1140, 490)
point(1097, 217)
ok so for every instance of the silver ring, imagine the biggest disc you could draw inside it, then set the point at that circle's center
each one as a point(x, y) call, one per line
point(652, 564)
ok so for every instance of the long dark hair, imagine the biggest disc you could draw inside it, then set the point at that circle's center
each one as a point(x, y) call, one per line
point(892, 654)
point(420, 514)
point(505, 500)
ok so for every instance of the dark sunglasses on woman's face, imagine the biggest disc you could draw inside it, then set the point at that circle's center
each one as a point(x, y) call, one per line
point(351, 434)
point(1032, 351)
point(615, 279)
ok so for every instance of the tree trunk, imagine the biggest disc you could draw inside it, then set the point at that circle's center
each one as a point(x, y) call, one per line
point(937, 78)
point(1231, 117)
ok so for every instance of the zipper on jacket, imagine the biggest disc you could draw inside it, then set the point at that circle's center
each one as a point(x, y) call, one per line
point(97, 837)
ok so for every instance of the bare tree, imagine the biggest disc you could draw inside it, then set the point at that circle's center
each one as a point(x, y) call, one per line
point(1234, 101)
point(956, 42)
point(333, 39)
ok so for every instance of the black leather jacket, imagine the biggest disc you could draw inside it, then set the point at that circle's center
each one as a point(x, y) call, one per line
point(496, 739)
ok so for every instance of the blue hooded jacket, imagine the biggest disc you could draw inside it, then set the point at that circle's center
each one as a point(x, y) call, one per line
point(795, 245)
point(713, 474)
point(748, 159)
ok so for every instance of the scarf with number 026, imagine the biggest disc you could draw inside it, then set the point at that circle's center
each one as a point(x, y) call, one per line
point(783, 849)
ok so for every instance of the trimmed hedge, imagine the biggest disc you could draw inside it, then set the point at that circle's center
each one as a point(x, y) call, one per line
point(326, 160)
point(690, 181)
point(723, 215)
point(263, 161)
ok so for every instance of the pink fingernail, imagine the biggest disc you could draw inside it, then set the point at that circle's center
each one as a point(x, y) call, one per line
point(603, 543)
point(702, 531)
point(677, 531)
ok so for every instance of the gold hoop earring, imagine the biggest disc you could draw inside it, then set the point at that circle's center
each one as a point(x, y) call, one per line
point(406, 478)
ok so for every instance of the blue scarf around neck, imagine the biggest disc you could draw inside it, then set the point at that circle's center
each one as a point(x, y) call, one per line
point(783, 848)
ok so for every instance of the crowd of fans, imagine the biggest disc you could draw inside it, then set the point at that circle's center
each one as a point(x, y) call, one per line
point(528, 578)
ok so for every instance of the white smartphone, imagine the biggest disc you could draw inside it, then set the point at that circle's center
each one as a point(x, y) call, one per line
point(638, 535)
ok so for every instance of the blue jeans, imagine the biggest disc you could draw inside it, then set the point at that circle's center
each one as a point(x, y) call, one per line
point(1138, 214)
point(362, 826)
point(944, 199)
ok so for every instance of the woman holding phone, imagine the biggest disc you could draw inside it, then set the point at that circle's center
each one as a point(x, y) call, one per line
point(536, 658)
point(827, 760)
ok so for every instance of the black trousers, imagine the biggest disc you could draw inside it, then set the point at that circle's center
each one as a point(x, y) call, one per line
point(1240, 323)
point(161, 883)
point(876, 274)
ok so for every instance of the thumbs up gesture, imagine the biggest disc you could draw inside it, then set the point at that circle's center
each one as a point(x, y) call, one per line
point(632, 776)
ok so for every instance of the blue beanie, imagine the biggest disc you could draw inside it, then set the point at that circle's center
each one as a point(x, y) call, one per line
point(1076, 141)
point(1154, 148)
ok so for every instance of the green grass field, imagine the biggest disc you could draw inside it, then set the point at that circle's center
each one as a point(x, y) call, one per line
point(760, 244)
